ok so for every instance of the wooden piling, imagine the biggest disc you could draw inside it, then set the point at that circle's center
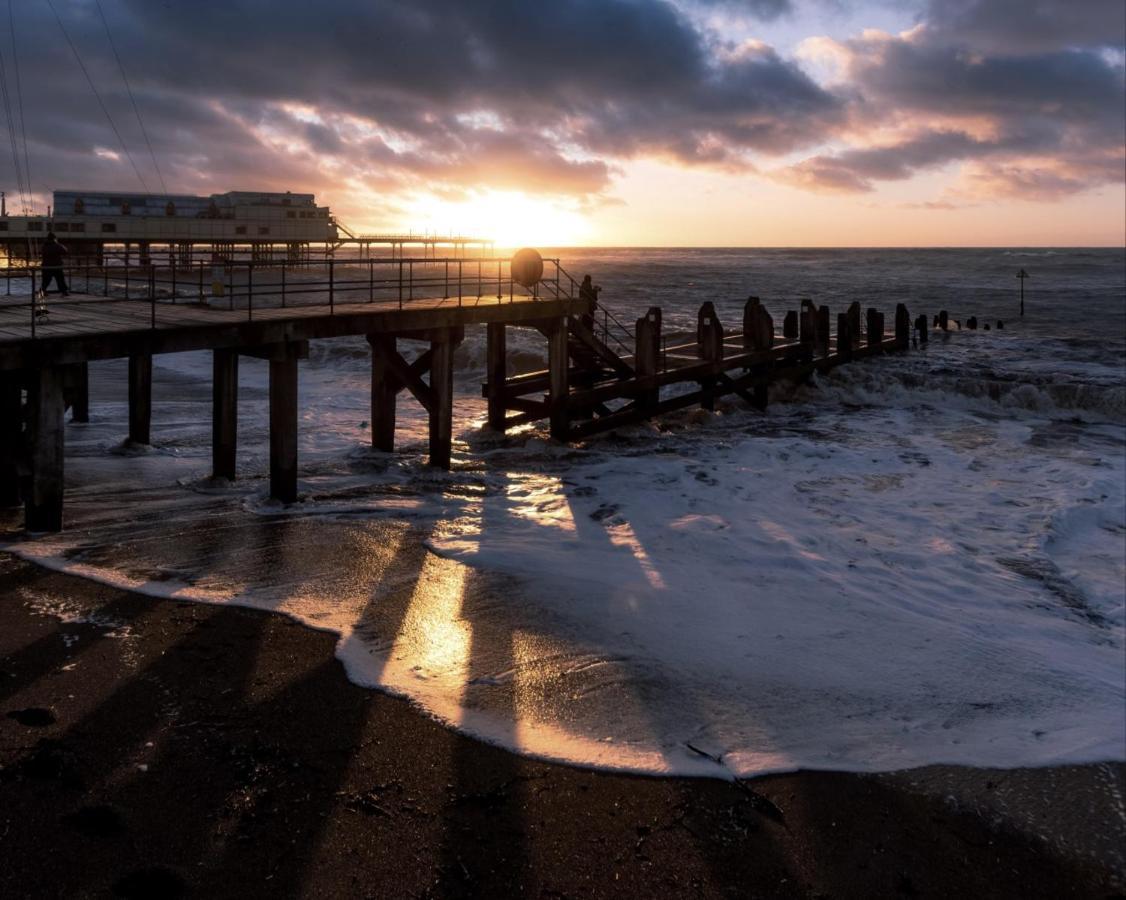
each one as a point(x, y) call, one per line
point(140, 399)
point(496, 373)
point(385, 387)
point(558, 365)
point(80, 392)
point(854, 326)
point(921, 327)
point(11, 438)
point(647, 350)
point(844, 336)
point(43, 505)
point(442, 348)
point(902, 327)
point(971, 323)
point(943, 320)
point(821, 333)
point(224, 412)
point(709, 339)
point(875, 327)
point(790, 325)
point(283, 428)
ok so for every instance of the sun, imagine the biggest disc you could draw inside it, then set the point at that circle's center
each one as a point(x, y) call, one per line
point(509, 218)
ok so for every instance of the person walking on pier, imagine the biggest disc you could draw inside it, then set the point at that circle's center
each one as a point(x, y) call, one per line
point(53, 255)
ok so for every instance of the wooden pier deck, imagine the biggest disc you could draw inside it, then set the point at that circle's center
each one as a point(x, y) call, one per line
point(599, 375)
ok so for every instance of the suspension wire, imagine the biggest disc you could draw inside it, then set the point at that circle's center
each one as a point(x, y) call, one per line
point(12, 133)
point(132, 99)
point(98, 97)
point(19, 102)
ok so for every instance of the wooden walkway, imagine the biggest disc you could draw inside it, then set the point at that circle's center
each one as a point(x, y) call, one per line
point(588, 386)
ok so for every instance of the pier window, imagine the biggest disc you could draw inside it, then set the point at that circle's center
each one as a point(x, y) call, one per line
point(3, 225)
point(34, 226)
point(109, 226)
point(240, 229)
point(62, 226)
point(263, 229)
point(77, 226)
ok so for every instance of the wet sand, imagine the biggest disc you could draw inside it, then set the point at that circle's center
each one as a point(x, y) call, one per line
point(213, 751)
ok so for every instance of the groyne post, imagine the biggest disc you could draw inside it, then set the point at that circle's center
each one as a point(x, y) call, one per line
point(709, 339)
point(496, 373)
point(921, 327)
point(140, 398)
point(822, 331)
point(385, 389)
point(11, 438)
point(854, 328)
point(790, 325)
point(224, 412)
point(875, 327)
point(43, 508)
point(902, 327)
point(844, 336)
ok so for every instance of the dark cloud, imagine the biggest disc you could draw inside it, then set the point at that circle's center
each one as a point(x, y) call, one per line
point(1028, 26)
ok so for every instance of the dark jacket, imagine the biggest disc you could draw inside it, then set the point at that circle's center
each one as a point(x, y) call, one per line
point(53, 253)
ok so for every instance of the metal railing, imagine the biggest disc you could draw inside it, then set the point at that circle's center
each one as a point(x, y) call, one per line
point(255, 286)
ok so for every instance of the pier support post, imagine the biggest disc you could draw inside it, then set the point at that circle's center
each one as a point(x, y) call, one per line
point(647, 350)
point(11, 438)
point(385, 389)
point(854, 325)
point(283, 428)
point(496, 373)
point(140, 399)
point(43, 509)
point(709, 338)
point(224, 413)
point(442, 393)
point(80, 392)
point(921, 327)
point(558, 366)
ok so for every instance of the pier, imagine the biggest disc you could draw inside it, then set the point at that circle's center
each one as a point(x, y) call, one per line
point(600, 375)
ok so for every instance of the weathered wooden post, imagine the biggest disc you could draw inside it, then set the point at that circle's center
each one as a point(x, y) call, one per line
point(647, 350)
point(283, 424)
point(875, 327)
point(496, 373)
point(11, 438)
point(709, 337)
point(971, 323)
point(43, 505)
point(790, 325)
point(750, 323)
point(854, 328)
point(140, 399)
point(902, 327)
point(385, 387)
point(558, 365)
point(844, 337)
point(921, 327)
point(224, 412)
point(442, 391)
point(807, 328)
point(821, 332)
point(943, 320)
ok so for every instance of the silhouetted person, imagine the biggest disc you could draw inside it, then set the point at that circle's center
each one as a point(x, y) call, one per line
point(53, 255)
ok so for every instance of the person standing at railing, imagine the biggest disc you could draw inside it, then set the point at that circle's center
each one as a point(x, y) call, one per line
point(52, 264)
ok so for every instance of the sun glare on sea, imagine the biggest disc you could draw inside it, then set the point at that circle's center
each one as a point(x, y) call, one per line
point(510, 218)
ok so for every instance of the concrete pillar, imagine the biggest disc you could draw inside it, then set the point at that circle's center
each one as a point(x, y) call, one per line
point(283, 430)
point(43, 505)
point(442, 407)
point(384, 392)
point(558, 374)
point(496, 373)
point(140, 399)
point(80, 392)
point(224, 413)
point(11, 438)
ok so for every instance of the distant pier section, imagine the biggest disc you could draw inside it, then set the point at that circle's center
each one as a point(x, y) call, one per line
point(178, 229)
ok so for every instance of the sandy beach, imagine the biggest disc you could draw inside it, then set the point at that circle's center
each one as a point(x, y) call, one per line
point(164, 748)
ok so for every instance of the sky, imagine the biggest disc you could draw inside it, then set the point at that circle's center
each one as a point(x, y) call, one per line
point(592, 122)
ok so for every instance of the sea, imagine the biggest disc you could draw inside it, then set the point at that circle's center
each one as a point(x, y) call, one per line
point(911, 560)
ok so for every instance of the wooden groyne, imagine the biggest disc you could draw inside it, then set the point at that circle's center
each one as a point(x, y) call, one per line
point(600, 375)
